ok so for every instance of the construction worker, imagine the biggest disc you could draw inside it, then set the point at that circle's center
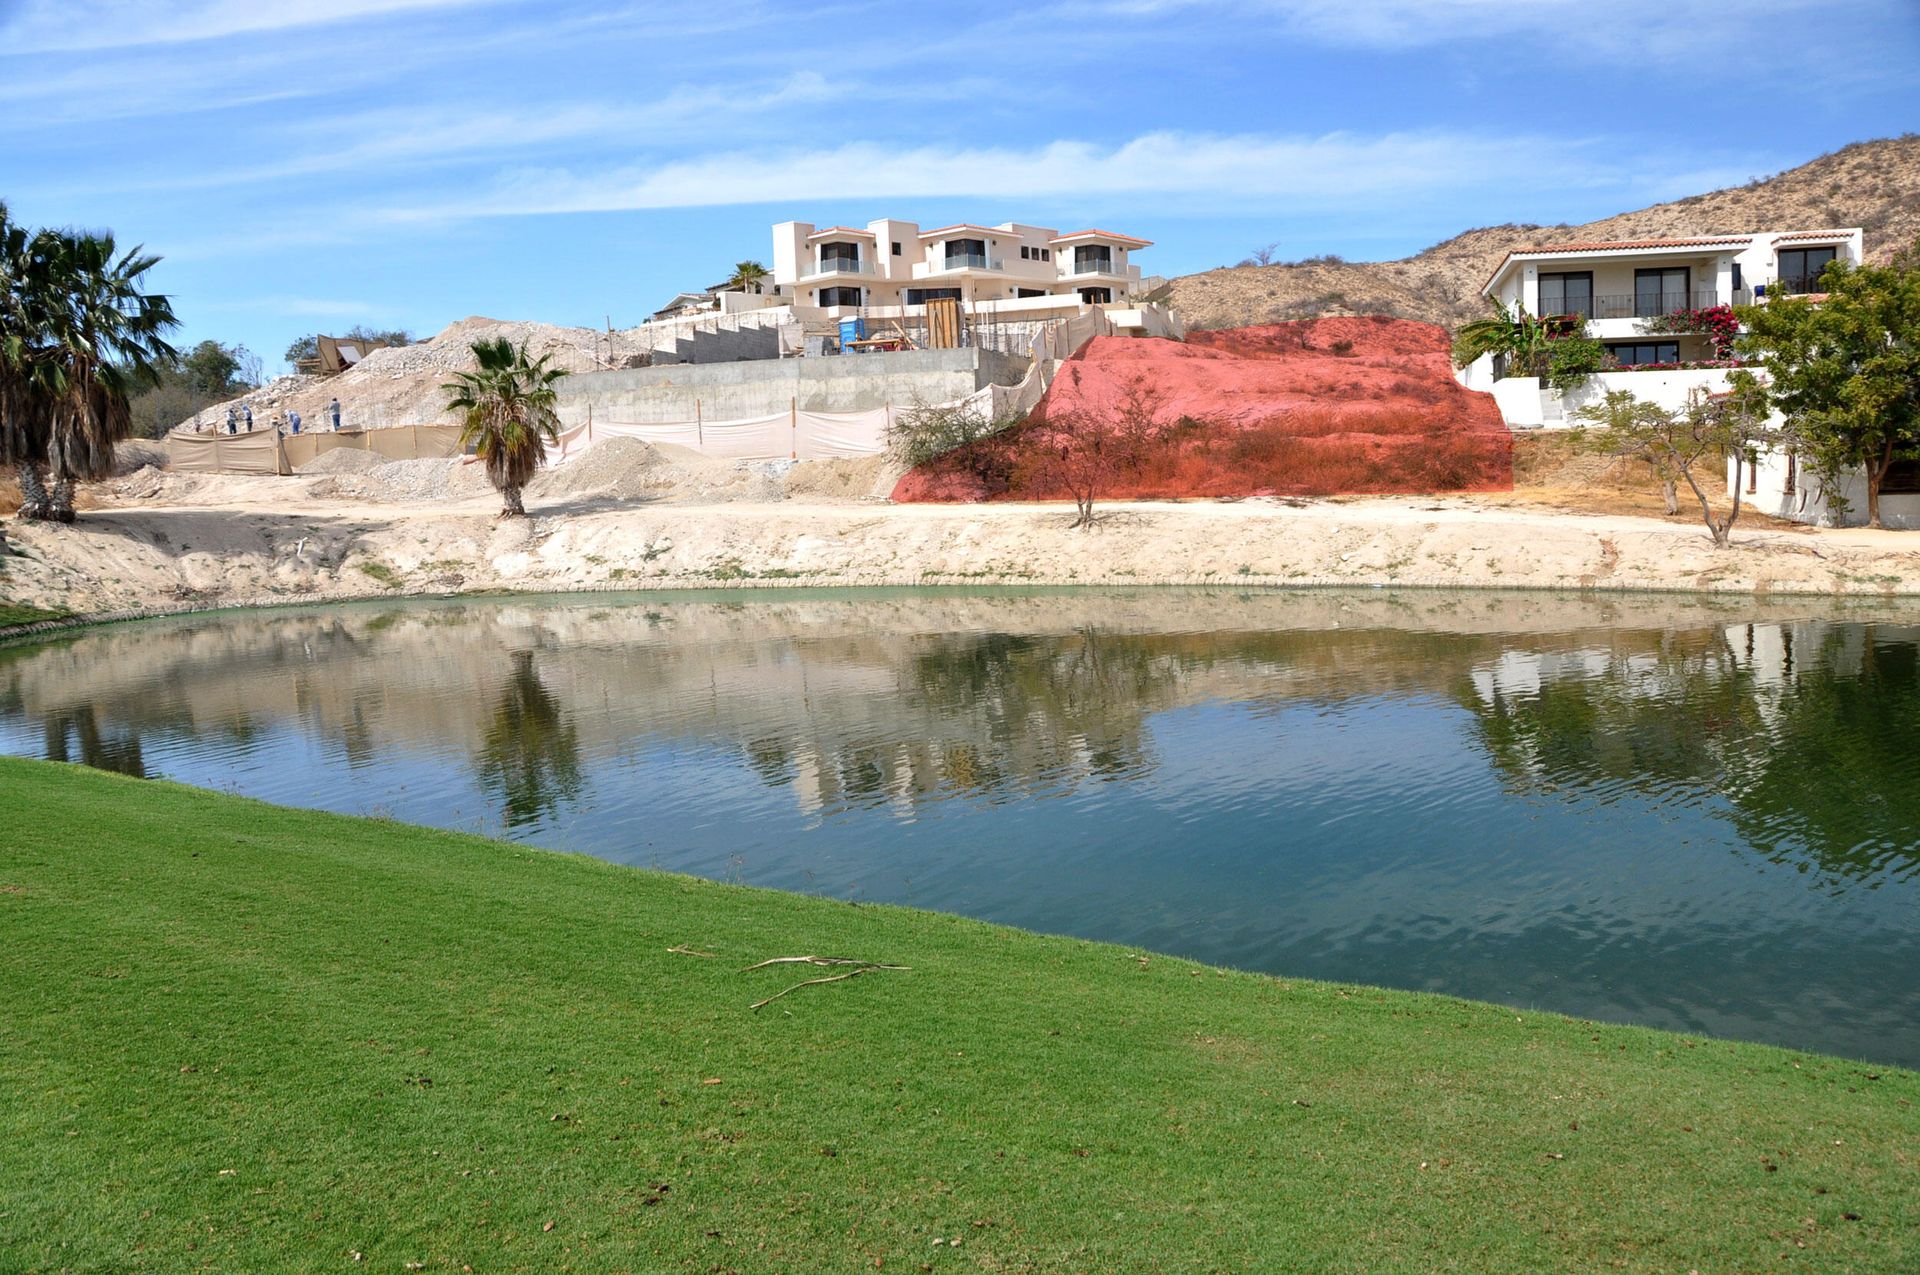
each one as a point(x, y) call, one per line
point(333, 409)
point(233, 420)
point(293, 420)
point(246, 416)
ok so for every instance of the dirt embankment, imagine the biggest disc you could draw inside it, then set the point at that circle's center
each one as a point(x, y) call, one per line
point(271, 540)
point(1316, 408)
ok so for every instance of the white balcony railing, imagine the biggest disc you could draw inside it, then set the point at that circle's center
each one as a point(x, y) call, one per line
point(838, 265)
point(967, 261)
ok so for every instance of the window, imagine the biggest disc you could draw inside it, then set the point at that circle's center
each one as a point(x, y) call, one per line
point(840, 256)
point(966, 252)
point(1569, 292)
point(1902, 479)
point(1645, 352)
point(1661, 291)
point(1046, 254)
point(1092, 259)
point(1738, 281)
point(1800, 268)
point(920, 296)
point(839, 296)
point(896, 247)
point(1096, 296)
point(1029, 292)
point(1026, 253)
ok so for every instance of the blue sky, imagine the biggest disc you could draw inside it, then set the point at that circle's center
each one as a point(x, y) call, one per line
point(310, 164)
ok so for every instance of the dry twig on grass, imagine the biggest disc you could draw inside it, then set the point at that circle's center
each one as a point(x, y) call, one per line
point(681, 949)
point(860, 967)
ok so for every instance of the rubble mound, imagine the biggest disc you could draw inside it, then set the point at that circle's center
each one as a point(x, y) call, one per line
point(619, 468)
point(1321, 407)
point(343, 460)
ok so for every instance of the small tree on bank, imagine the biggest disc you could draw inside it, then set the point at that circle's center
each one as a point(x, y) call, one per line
point(1845, 370)
point(1688, 445)
point(507, 415)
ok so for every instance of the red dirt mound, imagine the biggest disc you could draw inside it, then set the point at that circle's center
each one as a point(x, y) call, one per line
point(1319, 407)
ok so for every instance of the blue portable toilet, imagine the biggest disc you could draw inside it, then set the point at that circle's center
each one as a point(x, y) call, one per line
point(851, 330)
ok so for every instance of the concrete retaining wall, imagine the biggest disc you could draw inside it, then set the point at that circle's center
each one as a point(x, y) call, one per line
point(730, 391)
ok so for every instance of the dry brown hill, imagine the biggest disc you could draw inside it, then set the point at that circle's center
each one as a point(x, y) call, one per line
point(1873, 185)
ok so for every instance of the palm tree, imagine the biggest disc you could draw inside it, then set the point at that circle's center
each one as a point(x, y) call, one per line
point(747, 276)
point(23, 411)
point(1513, 333)
point(507, 416)
point(103, 341)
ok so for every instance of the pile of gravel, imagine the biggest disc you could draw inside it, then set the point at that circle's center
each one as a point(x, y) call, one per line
point(620, 468)
point(343, 460)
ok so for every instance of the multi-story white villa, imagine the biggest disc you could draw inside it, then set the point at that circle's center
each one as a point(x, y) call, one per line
point(895, 263)
point(1625, 289)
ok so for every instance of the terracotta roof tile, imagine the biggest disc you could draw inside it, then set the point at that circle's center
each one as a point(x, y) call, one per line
point(1613, 245)
point(1819, 234)
point(1103, 234)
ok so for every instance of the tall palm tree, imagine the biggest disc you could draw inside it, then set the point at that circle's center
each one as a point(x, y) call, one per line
point(23, 409)
point(105, 339)
point(507, 417)
point(747, 275)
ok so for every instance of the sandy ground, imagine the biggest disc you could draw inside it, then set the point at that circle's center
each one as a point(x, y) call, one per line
point(163, 541)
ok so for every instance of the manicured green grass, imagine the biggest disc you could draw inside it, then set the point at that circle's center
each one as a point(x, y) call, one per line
point(244, 1038)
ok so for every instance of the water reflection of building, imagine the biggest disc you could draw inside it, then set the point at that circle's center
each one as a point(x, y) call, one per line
point(1808, 729)
point(878, 701)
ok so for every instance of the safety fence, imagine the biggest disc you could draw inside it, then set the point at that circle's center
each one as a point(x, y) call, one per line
point(268, 451)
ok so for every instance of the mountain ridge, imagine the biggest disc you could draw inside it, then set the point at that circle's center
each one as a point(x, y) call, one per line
point(1874, 185)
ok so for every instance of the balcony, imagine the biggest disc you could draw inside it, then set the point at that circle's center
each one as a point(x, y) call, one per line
point(1105, 267)
point(968, 261)
point(1632, 306)
point(837, 266)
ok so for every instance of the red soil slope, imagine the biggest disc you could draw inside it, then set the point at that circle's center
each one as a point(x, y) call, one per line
point(1318, 407)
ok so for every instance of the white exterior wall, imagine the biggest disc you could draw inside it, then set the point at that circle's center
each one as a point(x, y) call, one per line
point(1525, 404)
point(1765, 489)
point(884, 278)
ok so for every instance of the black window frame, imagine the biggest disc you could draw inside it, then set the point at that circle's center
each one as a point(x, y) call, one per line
point(851, 258)
point(1804, 281)
point(1046, 254)
point(896, 247)
point(920, 296)
point(1030, 292)
point(1614, 348)
point(1686, 289)
point(1087, 300)
point(822, 295)
point(1563, 276)
point(1098, 253)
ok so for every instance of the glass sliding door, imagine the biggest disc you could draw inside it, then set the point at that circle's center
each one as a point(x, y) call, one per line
point(1800, 268)
point(1568, 292)
point(1661, 291)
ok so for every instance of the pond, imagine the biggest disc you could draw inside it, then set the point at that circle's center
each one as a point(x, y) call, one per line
point(1699, 815)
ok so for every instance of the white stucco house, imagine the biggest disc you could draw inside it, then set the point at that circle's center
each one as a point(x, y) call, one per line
point(895, 263)
point(1617, 286)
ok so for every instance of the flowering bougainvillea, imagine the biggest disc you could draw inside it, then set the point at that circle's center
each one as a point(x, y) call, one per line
point(1718, 323)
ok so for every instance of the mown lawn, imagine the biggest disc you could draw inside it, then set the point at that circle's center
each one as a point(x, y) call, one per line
point(238, 1037)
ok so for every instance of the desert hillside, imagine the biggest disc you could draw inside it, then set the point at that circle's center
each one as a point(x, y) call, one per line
point(1873, 185)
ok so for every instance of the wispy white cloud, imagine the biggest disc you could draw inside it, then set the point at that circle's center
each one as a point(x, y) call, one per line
point(46, 26)
point(1646, 26)
point(1322, 171)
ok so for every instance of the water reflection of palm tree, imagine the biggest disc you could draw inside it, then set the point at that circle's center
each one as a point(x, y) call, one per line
point(89, 746)
point(530, 754)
